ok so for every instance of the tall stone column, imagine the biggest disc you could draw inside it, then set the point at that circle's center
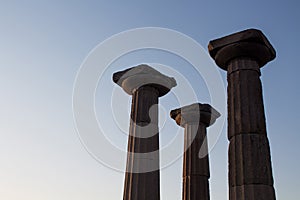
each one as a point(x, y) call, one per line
point(242, 55)
point(195, 119)
point(146, 85)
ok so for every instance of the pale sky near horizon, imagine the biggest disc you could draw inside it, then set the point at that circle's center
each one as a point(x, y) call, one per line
point(44, 43)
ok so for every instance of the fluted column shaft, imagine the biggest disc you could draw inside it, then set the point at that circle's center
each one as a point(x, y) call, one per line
point(250, 171)
point(195, 118)
point(146, 85)
point(195, 170)
point(143, 185)
point(242, 55)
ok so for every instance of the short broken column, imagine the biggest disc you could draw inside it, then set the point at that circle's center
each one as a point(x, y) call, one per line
point(146, 85)
point(242, 55)
point(195, 119)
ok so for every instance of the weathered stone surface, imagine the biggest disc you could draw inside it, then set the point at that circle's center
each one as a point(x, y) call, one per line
point(195, 188)
point(250, 192)
point(194, 138)
point(141, 186)
point(143, 139)
point(251, 163)
point(195, 119)
point(250, 172)
point(133, 78)
point(194, 113)
point(145, 85)
point(249, 43)
point(245, 101)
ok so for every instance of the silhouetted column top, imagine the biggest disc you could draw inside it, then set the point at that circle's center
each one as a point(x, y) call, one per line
point(250, 43)
point(195, 113)
point(142, 75)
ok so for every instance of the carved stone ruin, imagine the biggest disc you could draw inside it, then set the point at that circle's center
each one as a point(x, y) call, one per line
point(146, 85)
point(242, 55)
point(195, 119)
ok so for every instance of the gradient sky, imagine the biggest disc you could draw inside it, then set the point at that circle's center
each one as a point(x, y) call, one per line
point(44, 43)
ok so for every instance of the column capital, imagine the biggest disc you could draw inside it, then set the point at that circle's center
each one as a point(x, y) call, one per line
point(195, 113)
point(250, 43)
point(143, 75)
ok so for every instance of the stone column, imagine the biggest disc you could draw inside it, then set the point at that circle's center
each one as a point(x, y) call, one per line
point(242, 55)
point(195, 119)
point(146, 85)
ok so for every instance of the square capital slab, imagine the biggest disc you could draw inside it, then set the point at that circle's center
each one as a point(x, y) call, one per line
point(143, 75)
point(250, 43)
point(195, 113)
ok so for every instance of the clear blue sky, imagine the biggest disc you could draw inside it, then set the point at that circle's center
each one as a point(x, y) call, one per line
point(43, 44)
